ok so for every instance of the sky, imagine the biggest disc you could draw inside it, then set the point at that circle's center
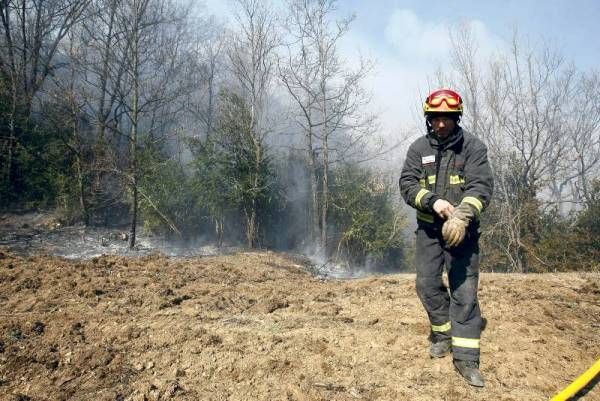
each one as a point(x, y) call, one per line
point(408, 40)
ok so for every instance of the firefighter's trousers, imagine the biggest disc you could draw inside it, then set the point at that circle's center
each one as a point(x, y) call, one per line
point(454, 314)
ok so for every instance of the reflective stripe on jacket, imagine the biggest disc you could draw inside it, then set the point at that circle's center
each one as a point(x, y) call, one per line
point(456, 170)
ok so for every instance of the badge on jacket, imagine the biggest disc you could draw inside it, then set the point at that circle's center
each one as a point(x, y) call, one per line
point(428, 159)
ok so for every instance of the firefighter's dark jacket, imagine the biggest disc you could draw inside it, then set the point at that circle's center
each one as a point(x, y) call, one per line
point(456, 170)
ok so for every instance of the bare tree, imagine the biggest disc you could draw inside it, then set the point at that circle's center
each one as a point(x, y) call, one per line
point(330, 98)
point(298, 70)
point(75, 141)
point(542, 138)
point(101, 35)
point(101, 66)
point(154, 32)
point(207, 62)
point(251, 59)
point(570, 183)
point(31, 34)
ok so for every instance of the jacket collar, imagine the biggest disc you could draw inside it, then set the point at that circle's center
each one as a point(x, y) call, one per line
point(454, 138)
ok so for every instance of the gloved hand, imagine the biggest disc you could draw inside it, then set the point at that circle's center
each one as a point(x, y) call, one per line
point(455, 228)
point(454, 231)
point(443, 208)
point(464, 212)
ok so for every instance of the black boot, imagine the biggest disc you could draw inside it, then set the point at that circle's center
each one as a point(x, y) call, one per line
point(440, 349)
point(470, 371)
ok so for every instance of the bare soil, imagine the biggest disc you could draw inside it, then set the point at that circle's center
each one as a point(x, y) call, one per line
point(257, 326)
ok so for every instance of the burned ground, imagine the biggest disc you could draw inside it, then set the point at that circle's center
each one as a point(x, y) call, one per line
point(258, 326)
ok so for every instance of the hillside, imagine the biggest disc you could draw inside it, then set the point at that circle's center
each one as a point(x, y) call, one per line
point(258, 326)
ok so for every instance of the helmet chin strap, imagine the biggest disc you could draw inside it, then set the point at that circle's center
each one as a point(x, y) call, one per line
point(429, 126)
point(431, 131)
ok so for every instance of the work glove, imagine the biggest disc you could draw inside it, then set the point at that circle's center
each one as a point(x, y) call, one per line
point(443, 208)
point(454, 231)
point(455, 228)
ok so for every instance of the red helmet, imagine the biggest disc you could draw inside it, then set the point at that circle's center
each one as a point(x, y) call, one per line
point(443, 101)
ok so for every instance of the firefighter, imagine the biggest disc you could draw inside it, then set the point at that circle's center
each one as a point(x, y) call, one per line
point(447, 178)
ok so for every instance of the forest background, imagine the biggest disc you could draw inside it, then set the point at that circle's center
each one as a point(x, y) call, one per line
point(152, 113)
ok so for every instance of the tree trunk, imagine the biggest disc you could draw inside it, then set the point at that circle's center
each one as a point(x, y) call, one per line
point(77, 148)
point(324, 194)
point(134, 134)
point(79, 165)
point(219, 230)
point(81, 188)
point(11, 137)
point(211, 106)
point(251, 227)
point(134, 207)
point(313, 211)
point(252, 222)
point(102, 113)
point(325, 134)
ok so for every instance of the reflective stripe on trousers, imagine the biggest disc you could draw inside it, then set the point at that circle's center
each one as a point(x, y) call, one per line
point(459, 307)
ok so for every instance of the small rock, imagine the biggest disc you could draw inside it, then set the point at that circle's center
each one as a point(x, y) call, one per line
point(171, 389)
point(138, 367)
point(149, 364)
point(179, 372)
point(39, 327)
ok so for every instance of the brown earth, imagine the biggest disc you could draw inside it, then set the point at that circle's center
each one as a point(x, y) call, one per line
point(257, 326)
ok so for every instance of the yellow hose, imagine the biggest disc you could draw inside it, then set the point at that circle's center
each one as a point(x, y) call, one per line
point(579, 383)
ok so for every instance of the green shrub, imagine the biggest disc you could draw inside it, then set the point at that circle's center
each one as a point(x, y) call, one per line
point(366, 217)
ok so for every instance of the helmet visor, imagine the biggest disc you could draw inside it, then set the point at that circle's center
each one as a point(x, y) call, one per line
point(437, 100)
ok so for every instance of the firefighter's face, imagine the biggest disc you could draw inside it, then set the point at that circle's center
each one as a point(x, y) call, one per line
point(443, 126)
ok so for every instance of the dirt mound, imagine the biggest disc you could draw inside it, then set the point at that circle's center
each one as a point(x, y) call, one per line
point(256, 326)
